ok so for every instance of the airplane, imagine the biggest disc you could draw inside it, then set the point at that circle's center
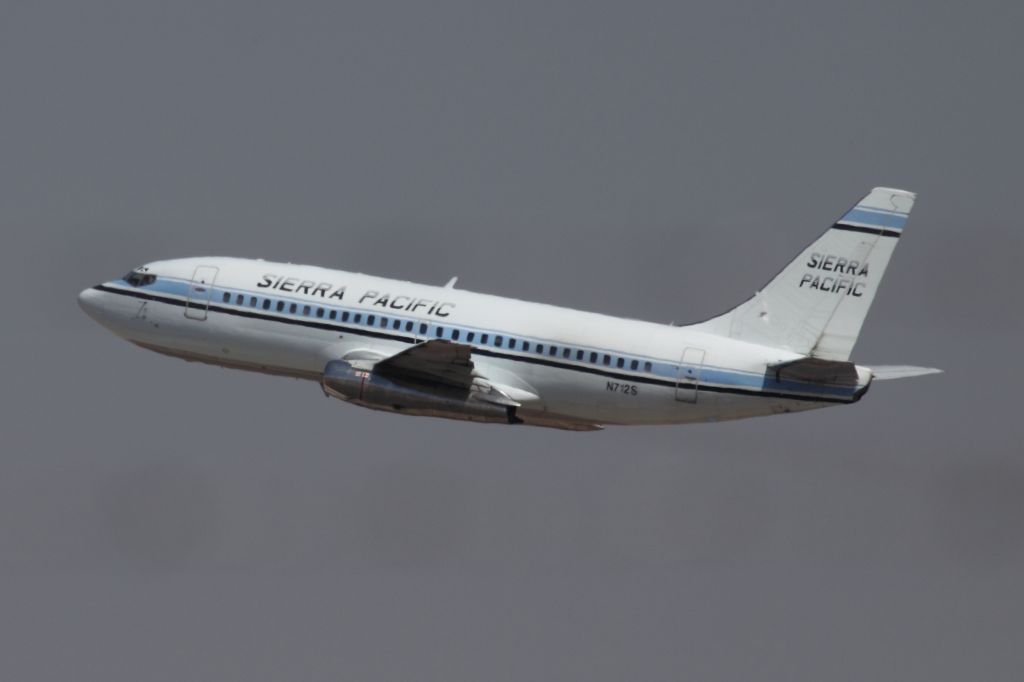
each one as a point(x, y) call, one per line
point(445, 352)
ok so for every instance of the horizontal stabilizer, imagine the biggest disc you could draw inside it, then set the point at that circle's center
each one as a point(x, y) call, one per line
point(883, 372)
point(816, 371)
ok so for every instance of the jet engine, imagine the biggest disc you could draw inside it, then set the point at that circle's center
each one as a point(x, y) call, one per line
point(377, 391)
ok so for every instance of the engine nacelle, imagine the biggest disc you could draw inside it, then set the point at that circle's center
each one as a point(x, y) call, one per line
point(377, 392)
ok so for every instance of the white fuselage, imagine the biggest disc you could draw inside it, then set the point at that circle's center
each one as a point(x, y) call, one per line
point(564, 366)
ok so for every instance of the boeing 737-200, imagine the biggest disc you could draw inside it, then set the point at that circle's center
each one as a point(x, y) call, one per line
point(445, 352)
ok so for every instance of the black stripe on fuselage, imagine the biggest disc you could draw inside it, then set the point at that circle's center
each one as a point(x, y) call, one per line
point(255, 315)
point(487, 352)
point(884, 231)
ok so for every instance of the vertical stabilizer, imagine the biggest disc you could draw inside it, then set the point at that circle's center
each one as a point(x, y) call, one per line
point(817, 304)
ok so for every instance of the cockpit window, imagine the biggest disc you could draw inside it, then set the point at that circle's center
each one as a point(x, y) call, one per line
point(139, 279)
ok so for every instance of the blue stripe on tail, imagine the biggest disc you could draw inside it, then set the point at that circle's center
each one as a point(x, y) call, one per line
point(872, 218)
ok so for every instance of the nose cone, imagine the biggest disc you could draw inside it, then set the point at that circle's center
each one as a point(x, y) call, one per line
point(107, 309)
point(89, 301)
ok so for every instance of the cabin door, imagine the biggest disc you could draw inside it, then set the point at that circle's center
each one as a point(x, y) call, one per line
point(199, 291)
point(688, 379)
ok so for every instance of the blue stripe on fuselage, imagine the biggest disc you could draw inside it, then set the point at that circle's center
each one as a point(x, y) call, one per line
point(666, 370)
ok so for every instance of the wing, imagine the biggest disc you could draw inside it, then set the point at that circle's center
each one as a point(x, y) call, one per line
point(434, 361)
point(444, 363)
point(449, 364)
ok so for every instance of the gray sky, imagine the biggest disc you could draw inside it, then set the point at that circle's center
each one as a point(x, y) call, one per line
point(165, 521)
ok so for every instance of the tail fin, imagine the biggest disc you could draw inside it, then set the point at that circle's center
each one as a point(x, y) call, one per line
point(817, 304)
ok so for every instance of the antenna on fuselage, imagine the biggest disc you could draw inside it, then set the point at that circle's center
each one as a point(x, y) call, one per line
point(451, 282)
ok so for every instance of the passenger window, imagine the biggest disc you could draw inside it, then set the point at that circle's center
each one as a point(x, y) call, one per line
point(620, 363)
point(384, 323)
point(565, 353)
point(579, 355)
point(266, 304)
point(344, 316)
point(511, 343)
point(423, 329)
point(408, 326)
point(439, 332)
point(280, 306)
point(455, 335)
point(319, 312)
point(634, 364)
point(305, 310)
point(371, 320)
point(607, 359)
point(552, 350)
point(647, 367)
point(227, 297)
point(497, 341)
point(292, 308)
point(469, 336)
point(239, 300)
point(358, 318)
point(526, 345)
point(252, 301)
point(483, 339)
point(593, 357)
point(333, 315)
point(397, 324)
